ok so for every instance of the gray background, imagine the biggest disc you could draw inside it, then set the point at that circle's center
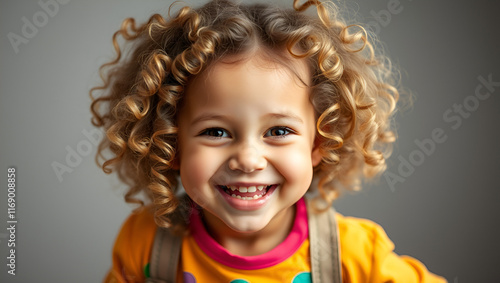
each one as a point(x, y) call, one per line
point(444, 213)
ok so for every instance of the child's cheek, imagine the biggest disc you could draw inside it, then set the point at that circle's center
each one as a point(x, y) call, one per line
point(295, 165)
point(197, 167)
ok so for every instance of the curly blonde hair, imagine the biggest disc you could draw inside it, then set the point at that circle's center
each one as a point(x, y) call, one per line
point(353, 91)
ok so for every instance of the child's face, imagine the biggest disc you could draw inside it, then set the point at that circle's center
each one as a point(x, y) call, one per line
point(246, 140)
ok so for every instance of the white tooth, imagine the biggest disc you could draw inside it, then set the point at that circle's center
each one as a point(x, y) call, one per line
point(233, 188)
point(252, 189)
point(260, 188)
point(255, 197)
point(238, 197)
point(233, 195)
point(243, 189)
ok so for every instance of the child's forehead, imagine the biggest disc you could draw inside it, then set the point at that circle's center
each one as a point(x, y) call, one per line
point(266, 60)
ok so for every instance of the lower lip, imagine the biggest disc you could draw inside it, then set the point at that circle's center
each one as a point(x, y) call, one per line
point(248, 205)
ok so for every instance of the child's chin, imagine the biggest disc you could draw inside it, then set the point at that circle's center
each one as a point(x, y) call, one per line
point(247, 225)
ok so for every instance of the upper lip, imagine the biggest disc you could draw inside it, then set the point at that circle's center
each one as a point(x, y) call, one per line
point(241, 184)
point(247, 187)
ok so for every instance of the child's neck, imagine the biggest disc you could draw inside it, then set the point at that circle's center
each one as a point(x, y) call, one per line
point(255, 243)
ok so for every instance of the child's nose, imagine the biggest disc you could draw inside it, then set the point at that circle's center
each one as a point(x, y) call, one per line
point(247, 159)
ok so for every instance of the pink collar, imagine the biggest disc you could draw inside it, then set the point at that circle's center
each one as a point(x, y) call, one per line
point(288, 247)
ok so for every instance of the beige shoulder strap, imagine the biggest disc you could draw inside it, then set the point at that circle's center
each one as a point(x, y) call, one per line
point(324, 246)
point(164, 257)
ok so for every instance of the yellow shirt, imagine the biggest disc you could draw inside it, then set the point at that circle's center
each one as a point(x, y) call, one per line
point(366, 255)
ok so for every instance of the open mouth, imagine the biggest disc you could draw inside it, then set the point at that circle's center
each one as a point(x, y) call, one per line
point(246, 193)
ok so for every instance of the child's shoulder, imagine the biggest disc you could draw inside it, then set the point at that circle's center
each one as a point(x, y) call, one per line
point(358, 235)
point(140, 221)
point(360, 227)
point(368, 255)
point(140, 224)
point(132, 248)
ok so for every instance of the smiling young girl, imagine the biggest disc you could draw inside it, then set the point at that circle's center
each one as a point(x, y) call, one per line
point(246, 105)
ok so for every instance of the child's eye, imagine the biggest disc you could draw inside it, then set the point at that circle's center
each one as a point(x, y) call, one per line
point(215, 132)
point(278, 131)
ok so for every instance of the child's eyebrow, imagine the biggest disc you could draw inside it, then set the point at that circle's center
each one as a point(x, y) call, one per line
point(209, 116)
point(286, 115)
